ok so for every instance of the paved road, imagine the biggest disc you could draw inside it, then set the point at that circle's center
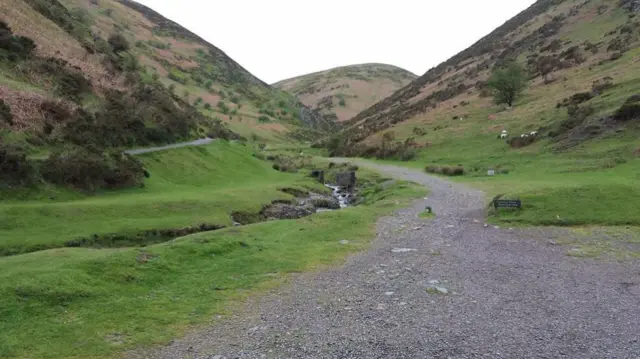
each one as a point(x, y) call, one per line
point(199, 142)
point(441, 288)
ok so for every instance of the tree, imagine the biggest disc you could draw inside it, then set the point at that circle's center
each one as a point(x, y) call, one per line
point(508, 83)
point(118, 43)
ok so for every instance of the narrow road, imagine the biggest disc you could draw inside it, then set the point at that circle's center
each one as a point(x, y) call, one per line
point(199, 142)
point(441, 288)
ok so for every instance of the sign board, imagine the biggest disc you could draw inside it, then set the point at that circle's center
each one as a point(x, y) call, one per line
point(491, 172)
point(507, 203)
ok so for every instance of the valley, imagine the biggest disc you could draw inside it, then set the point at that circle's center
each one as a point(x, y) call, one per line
point(158, 200)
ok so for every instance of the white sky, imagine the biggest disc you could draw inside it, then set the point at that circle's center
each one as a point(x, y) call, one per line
point(279, 39)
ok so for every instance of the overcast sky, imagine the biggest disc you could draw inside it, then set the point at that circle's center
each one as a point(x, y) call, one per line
point(279, 39)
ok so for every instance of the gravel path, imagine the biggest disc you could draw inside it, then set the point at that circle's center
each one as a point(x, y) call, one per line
point(441, 288)
point(199, 142)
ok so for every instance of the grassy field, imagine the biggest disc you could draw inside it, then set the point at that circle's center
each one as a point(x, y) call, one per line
point(188, 186)
point(80, 302)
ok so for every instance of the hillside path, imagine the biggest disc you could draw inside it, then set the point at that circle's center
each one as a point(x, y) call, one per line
point(198, 142)
point(510, 294)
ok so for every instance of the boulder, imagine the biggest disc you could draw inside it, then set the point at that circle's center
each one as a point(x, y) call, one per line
point(346, 179)
point(286, 211)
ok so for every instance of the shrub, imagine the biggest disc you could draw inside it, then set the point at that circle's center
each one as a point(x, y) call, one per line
point(601, 85)
point(15, 168)
point(17, 46)
point(576, 99)
point(86, 170)
point(264, 118)
point(5, 113)
point(71, 84)
point(207, 106)
point(155, 76)
point(574, 53)
point(223, 107)
point(118, 42)
point(630, 110)
point(446, 170)
point(519, 142)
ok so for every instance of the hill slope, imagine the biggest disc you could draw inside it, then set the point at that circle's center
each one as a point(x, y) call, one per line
point(342, 92)
point(574, 42)
point(582, 100)
point(75, 37)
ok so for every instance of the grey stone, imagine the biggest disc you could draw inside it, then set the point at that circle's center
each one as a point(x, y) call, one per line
point(346, 179)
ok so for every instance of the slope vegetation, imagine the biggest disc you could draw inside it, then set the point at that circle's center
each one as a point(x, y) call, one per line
point(342, 92)
point(580, 58)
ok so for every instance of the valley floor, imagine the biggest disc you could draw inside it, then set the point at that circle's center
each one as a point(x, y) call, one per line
point(444, 287)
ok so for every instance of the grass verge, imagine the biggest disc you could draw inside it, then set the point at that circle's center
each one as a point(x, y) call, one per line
point(188, 186)
point(78, 302)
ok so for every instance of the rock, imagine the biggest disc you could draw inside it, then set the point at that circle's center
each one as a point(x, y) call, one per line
point(476, 221)
point(286, 211)
point(381, 307)
point(346, 179)
point(450, 226)
point(324, 201)
point(236, 224)
point(388, 293)
point(437, 290)
point(344, 241)
point(417, 228)
point(403, 250)
point(496, 227)
point(486, 225)
point(402, 303)
point(318, 174)
point(434, 282)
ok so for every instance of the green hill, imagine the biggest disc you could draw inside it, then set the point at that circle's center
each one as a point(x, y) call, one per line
point(342, 92)
point(582, 77)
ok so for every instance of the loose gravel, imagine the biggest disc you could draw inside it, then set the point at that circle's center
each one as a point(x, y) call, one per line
point(446, 287)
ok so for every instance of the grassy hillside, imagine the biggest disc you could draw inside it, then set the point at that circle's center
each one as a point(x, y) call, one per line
point(583, 166)
point(343, 92)
point(98, 302)
point(72, 58)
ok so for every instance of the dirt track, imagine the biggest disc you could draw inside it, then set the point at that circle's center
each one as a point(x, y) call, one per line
point(509, 294)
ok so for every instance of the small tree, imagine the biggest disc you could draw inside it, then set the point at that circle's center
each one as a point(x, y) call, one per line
point(508, 83)
point(118, 43)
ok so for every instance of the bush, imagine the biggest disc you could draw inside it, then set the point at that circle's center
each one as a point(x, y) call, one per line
point(71, 84)
point(118, 43)
point(5, 113)
point(446, 170)
point(630, 110)
point(576, 99)
point(223, 107)
point(519, 142)
point(207, 106)
point(17, 46)
point(15, 168)
point(264, 118)
point(87, 170)
point(601, 85)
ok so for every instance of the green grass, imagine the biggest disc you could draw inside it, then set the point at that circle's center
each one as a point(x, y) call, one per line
point(95, 303)
point(426, 214)
point(188, 186)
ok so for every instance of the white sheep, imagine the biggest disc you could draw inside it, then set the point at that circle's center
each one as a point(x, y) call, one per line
point(504, 135)
point(524, 135)
point(534, 133)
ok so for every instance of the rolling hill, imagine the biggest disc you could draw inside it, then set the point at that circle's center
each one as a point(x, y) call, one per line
point(72, 58)
point(342, 92)
point(580, 60)
point(567, 46)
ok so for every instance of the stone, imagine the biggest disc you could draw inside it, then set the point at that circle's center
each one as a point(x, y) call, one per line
point(403, 250)
point(434, 282)
point(486, 225)
point(346, 179)
point(381, 307)
point(437, 290)
point(286, 211)
point(344, 241)
point(388, 293)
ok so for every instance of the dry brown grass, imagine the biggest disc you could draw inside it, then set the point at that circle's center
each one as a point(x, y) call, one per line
point(51, 40)
point(26, 107)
